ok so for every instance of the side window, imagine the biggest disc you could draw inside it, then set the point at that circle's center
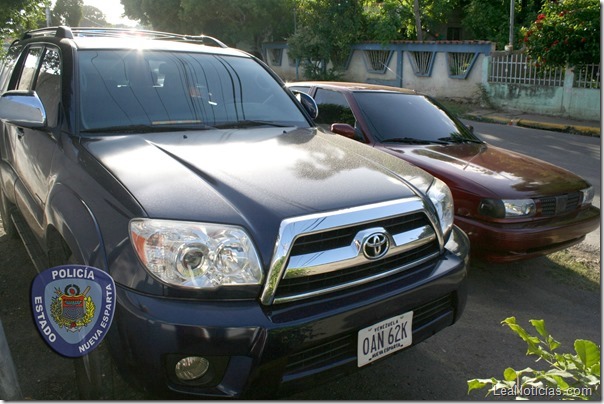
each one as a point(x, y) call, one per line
point(28, 72)
point(333, 108)
point(48, 84)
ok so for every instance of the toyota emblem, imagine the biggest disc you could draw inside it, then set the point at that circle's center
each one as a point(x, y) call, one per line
point(375, 245)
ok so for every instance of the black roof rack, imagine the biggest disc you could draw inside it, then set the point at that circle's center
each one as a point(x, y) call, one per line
point(72, 32)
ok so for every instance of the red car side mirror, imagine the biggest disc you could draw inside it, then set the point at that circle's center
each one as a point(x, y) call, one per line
point(343, 129)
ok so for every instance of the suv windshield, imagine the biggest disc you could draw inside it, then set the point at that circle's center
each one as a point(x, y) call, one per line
point(407, 117)
point(157, 90)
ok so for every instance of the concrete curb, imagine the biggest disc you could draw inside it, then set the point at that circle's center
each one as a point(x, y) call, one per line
point(566, 128)
point(576, 129)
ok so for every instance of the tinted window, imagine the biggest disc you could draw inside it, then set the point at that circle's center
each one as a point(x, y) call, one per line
point(48, 84)
point(333, 108)
point(160, 89)
point(397, 115)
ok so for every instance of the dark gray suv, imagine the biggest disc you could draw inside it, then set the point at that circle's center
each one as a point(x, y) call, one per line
point(252, 252)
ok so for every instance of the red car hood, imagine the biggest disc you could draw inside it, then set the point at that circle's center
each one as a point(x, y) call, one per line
point(489, 171)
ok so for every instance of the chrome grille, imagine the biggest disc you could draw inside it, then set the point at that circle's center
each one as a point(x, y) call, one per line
point(343, 237)
point(325, 253)
point(299, 285)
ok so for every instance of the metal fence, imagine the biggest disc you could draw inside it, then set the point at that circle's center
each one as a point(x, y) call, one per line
point(377, 60)
point(460, 63)
point(422, 62)
point(587, 76)
point(515, 68)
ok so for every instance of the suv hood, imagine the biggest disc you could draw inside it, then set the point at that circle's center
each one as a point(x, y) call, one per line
point(491, 171)
point(251, 177)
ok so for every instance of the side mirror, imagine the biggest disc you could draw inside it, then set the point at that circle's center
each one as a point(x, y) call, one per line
point(344, 129)
point(22, 108)
point(308, 103)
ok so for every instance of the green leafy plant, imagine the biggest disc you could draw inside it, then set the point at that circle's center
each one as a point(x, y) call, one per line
point(18, 16)
point(566, 32)
point(570, 376)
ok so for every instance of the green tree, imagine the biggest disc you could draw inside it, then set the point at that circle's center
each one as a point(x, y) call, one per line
point(435, 11)
point(325, 32)
point(67, 12)
point(243, 23)
point(565, 33)
point(160, 15)
point(489, 20)
point(251, 22)
point(17, 16)
point(93, 17)
point(389, 20)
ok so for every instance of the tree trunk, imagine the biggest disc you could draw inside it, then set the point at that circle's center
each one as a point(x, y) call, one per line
point(418, 20)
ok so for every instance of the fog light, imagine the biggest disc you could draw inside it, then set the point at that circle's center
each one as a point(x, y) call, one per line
point(191, 368)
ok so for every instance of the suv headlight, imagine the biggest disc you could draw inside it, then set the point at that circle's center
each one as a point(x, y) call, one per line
point(196, 255)
point(440, 195)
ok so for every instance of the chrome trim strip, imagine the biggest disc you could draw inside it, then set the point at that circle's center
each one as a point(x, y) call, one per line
point(318, 292)
point(293, 228)
point(345, 257)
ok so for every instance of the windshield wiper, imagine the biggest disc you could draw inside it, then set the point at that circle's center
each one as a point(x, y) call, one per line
point(457, 139)
point(412, 140)
point(249, 123)
point(145, 128)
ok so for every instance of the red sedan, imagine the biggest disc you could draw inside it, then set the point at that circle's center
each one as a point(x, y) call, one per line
point(512, 206)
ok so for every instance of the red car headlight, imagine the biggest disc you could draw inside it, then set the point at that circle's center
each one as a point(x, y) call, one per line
point(507, 208)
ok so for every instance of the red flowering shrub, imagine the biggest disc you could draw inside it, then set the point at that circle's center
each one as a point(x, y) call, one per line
point(566, 32)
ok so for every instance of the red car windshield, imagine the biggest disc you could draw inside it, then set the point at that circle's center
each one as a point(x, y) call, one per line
point(406, 117)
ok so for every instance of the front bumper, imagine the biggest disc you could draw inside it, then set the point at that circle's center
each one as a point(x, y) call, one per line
point(507, 242)
point(261, 351)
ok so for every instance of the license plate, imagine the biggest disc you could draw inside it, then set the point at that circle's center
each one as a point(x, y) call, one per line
point(384, 338)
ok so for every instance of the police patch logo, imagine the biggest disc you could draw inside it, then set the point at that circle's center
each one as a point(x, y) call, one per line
point(72, 310)
point(73, 307)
